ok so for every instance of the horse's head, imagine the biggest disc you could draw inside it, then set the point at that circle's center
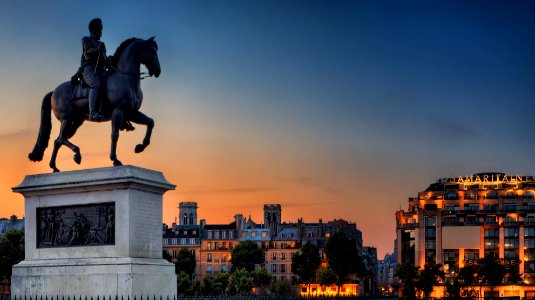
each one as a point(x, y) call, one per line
point(149, 57)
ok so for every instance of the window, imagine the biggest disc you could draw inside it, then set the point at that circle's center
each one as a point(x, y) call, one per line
point(451, 208)
point(223, 269)
point(430, 232)
point(210, 246)
point(510, 232)
point(529, 231)
point(283, 255)
point(231, 234)
point(216, 234)
point(491, 244)
point(310, 234)
point(253, 233)
point(471, 207)
point(492, 232)
point(431, 221)
point(490, 220)
point(224, 258)
point(264, 233)
point(224, 234)
point(216, 245)
point(430, 244)
point(243, 234)
point(471, 220)
point(209, 269)
point(451, 196)
point(471, 254)
point(509, 206)
point(510, 244)
point(274, 268)
point(283, 268)
point(192, 241)
point(209, 257)
point(183, 241)
point(209, 234)
point(274, 256)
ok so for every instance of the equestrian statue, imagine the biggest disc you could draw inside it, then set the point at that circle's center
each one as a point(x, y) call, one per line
point(103, 89)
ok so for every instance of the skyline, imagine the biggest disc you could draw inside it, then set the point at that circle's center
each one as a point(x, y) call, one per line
point(334, 109)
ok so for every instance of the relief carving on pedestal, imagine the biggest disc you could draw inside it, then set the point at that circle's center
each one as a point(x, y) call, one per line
point(77, 225)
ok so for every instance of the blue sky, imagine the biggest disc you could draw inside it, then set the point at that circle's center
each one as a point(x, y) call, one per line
point(331, 108)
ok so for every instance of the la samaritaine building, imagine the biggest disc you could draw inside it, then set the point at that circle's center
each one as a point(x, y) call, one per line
point(461, 219)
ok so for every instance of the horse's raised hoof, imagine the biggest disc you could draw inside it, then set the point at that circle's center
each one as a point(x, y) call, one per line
point(55, 170)
point(117, 163)
point(139, 148)
point(77, 158)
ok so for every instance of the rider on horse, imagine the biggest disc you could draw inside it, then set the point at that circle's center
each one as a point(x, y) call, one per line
point(93, 62)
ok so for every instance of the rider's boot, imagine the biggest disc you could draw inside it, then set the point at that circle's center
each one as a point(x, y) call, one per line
point(94, 114)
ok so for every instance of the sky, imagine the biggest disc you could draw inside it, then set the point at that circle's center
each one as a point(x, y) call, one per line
point(334, 109)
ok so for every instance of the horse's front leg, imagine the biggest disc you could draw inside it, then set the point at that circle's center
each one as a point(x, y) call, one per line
point(141, 118)
point(116, 120)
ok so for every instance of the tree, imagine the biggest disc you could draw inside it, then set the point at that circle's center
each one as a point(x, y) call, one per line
point(11, 251)
point(491, 272)
point(246, 255)
point(220, 283)
point(407, 274)
point(459, 285)
point(261, 278)
point(306, 263)
point(241, 282)
point(185, 262)
point(283, 287)
point(167, 256)
point(428, 277)
point(183, 283)
point(326, 276)
point(343, 257)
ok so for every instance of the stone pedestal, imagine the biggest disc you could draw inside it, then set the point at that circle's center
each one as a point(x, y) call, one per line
point(95, 232)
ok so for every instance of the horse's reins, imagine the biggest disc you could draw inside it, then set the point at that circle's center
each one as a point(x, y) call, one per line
point(141, 75)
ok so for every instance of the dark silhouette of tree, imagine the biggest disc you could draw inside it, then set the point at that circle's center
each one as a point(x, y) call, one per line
point(186, 262)
point(11, 251)
point(491, 272)
point(283, 287)
point(241, 282)
point(306, 262)
point(326, 276)
point(184, 284)
point(428, 277)
point(246, 255)
point(261, 278)
point(167, 256)
point(343, 257)
point(407, 274)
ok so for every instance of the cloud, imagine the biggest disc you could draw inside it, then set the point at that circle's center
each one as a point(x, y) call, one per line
point(449, 130)
point(19, 134)
point(314, 183)
point(231, 191)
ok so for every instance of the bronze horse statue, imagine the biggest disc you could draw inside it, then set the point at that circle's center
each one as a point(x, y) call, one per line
point(120, 104)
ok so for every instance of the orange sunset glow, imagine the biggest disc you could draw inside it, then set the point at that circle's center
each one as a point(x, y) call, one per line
point(333, 109)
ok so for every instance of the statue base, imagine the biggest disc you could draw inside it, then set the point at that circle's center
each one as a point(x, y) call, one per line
point(95, 232)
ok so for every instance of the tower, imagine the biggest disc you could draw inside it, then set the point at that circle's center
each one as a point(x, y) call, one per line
point(272, 217)
point(187, 213)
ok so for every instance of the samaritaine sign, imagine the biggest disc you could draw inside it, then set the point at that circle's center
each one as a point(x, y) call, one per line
point(487, 178)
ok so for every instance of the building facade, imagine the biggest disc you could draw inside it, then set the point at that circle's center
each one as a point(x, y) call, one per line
point(461, 219)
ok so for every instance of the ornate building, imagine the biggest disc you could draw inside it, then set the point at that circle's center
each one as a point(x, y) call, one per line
point(460, 219)
point(217, 243)
point(185, 235)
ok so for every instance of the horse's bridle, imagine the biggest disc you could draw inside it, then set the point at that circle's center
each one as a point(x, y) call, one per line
point(140, 75)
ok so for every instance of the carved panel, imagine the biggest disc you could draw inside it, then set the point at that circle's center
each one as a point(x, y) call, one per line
point(76, 225)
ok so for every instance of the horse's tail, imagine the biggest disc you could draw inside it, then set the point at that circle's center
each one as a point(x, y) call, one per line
point(44, 130)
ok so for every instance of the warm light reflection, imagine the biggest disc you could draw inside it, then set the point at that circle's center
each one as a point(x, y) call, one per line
point(317, 290)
